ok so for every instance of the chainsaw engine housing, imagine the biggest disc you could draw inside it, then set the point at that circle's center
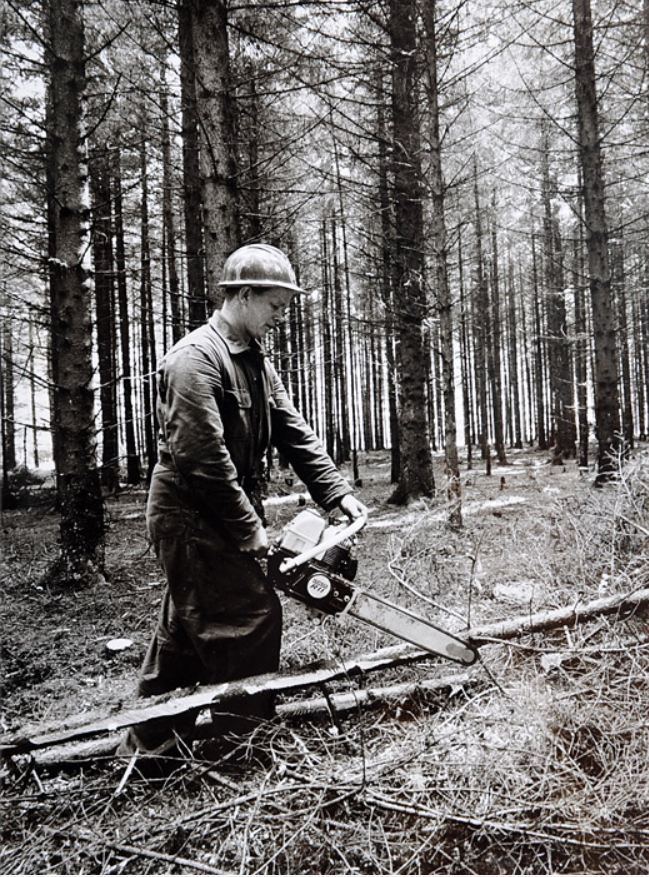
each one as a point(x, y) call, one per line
point(322, 581)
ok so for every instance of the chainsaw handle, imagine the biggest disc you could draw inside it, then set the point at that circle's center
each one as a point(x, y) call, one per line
point(353, 527)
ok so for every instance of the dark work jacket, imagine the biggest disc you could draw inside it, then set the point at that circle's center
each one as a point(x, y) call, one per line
point(204, 413)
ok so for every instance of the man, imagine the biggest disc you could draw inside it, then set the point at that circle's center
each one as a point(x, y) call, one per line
point(220, 405)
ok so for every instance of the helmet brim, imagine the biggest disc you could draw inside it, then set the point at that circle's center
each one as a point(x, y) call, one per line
point(268, 284)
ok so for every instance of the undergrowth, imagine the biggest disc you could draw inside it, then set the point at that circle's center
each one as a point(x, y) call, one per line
point(533, 762)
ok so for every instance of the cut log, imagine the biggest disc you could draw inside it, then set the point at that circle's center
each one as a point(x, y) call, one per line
point(85, 725)
point(79, 727)
point(295, 710)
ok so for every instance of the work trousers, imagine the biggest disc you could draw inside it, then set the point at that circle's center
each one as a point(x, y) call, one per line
point(220, 619)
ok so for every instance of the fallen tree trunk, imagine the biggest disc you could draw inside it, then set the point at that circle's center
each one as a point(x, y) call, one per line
point(83, 726)
point(339, 702)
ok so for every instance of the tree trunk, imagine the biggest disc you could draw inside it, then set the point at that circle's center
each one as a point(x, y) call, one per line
point(7, 499)
point(32, 391)
point(644, 327)
point(538, 355)
point(8, 397)
point(618, 291)
point(442, 288)
point(607, 413)
point(328, 375)
point(378, 407)
point(216, 125)
point(310, 371)
point(528, 370)
point(640, 353)
point(568, 424)
point(168, 216)
point(197, 302)
point(132, 456)
point(386, 274)
point(185, 701)
point(480, 330)
point(297, 365)
point(560, 372)
point(350, 346)
point(81, 504)
point(340, 365)
point(416, 469)
point(467, 384)
point(581, 351)
point(146, 317)
point(495, 342)
point(254, 227)
point(372, 411)
point(514, 383)
point(102, 247)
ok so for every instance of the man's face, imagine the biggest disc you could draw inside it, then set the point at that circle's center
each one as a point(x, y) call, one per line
point(262, 311)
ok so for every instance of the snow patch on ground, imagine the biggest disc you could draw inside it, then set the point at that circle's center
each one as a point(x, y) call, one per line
point(290, 499)
point(470, 508)
point(517, 593)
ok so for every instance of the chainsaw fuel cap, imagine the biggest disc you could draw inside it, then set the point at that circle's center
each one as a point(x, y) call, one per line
point(318, 586)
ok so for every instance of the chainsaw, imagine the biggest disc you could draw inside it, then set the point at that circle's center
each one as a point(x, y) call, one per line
point(315, 564)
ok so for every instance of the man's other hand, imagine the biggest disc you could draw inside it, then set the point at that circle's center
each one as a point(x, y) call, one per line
point(257, 545)
point(352, 507)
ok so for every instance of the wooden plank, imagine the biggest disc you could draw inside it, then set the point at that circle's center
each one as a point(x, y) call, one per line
point(86, 725)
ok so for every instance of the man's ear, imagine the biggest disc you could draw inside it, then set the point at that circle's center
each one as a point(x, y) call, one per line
point(244, 294)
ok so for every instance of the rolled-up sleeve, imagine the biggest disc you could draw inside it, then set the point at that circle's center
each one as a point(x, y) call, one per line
point(298, 443)
point(190, 385)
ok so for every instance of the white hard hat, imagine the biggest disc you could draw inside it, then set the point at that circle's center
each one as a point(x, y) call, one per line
point(259, 265)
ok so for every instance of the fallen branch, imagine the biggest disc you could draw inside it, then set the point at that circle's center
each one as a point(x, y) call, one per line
point(82, 726)
point(129, 850)
point(567, 616)
point(345, 701)
point(523, 829)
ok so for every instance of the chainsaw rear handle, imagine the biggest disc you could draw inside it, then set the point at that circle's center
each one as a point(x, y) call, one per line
point(335, 539)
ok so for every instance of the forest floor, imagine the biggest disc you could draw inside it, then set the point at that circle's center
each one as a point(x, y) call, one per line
point(533, 761)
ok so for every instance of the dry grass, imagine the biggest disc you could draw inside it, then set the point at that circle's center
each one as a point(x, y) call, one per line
point(539, 766)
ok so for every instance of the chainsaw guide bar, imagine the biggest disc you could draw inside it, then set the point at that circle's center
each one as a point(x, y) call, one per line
point(314, 564)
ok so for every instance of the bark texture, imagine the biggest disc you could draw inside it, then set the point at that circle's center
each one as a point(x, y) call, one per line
point(481, 324)
point(562, 405)
point(147, 336)
point(607, 405)
point(82, 511)
point(169, 218)
point(132, 456)
point(194, 253)
point(416, 468)
point(7, 397)
point(495, 342)
point(102, 248)
point(442, 288)
point(216, 125)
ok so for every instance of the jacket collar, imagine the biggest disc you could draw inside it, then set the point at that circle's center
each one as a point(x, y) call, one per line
point(232, 342)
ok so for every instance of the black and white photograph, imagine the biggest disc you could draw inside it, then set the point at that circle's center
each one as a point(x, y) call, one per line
point(324, 426)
